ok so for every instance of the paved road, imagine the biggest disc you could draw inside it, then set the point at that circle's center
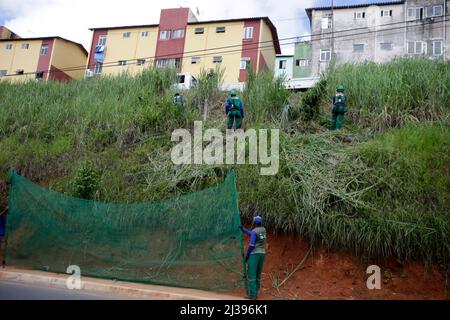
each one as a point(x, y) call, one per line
point(20, 291)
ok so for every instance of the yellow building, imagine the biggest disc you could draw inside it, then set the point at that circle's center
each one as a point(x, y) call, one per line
point(189, 45)
point(43, 58)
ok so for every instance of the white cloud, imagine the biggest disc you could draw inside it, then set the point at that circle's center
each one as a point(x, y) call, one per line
point(71, 19)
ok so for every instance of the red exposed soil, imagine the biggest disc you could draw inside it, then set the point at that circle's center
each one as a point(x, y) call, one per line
point(340, 275)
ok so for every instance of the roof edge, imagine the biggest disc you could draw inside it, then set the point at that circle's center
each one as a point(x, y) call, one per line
point(46, 38)
point(349, 6)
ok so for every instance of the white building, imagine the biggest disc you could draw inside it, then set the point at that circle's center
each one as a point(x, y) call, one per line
point(378, 32)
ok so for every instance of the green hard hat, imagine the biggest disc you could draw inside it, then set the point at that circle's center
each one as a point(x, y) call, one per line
point(233, 93)
point(340, 88)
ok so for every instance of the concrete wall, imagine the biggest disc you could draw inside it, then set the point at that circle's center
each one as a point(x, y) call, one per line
point(203, 46)
point(428, 29)
point(302, 52)
point(18, 58)
point(370, 32)
point(286, 73)
point(132, 48)
point(67, 55)
point(267, 51)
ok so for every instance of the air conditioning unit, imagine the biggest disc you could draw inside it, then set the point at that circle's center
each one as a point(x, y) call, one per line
point(89, 73)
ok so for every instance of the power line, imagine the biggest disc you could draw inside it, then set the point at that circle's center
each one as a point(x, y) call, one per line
point(263, 48)
point(245, 48)
point(240, 44)
point(268, 41)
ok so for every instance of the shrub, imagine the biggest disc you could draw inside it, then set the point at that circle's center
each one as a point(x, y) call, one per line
point(86, 181)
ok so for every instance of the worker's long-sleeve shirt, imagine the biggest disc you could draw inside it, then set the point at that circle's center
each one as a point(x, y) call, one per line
point(252, 242)
point(228, 106)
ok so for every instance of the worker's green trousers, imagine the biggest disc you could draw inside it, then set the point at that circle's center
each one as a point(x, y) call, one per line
point(337, 121)
point(234, 117)
point(255, 267)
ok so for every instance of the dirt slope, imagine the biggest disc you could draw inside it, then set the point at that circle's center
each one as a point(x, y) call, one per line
point(338, 275)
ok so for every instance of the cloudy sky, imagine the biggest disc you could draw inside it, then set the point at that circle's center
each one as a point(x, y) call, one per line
point(71, 19)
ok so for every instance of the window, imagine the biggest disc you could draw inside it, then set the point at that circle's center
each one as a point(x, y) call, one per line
point(386, 13)
point(419, 47)
point(178, 34)
point(325, 55)
point(3, 73)
point(144, 34)
point(140, 62)
point(164, 35)
point(217, 59)
point(25, 46)
point(326, 23)
point(410, 48)
point(98, 68)
point(282, 64)
point(301, 63)
point(161, 63)
point(415, 13)
point(195, 60)
point(44, 49)
point(199, 30)
point(122, 63)
point(102, 40)
point(386, 46)
point(220, 30)
point(8, 46)
point(437, 47)
point(359, 15)
point(19, 71)
point(434, 11)
point(248, 33)
point(126, 34)
point(358, 47)
point(39, 76)
point(173, 63)
point(416, 47)
point(245, 62)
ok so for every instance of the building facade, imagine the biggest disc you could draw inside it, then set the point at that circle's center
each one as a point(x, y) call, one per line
point(284, 66)
point(378, 32)
point(302, 60)
point(42, 59)
point(189, 45)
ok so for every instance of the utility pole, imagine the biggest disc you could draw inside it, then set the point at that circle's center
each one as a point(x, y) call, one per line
point(444, 42)
point(332, 32)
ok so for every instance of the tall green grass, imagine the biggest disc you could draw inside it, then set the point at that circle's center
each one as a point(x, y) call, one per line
point(264, 97)
point(393, 94)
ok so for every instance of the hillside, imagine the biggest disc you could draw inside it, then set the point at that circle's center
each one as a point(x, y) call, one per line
point(378, 188)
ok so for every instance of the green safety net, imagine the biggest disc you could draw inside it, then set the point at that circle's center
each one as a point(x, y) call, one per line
point(188, 241)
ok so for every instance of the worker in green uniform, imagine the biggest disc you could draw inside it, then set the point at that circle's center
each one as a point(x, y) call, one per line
point(339, 108)
point(234, 110)
point(254, 259)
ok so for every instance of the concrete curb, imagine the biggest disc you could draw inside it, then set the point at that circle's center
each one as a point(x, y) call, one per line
point(119, 288)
